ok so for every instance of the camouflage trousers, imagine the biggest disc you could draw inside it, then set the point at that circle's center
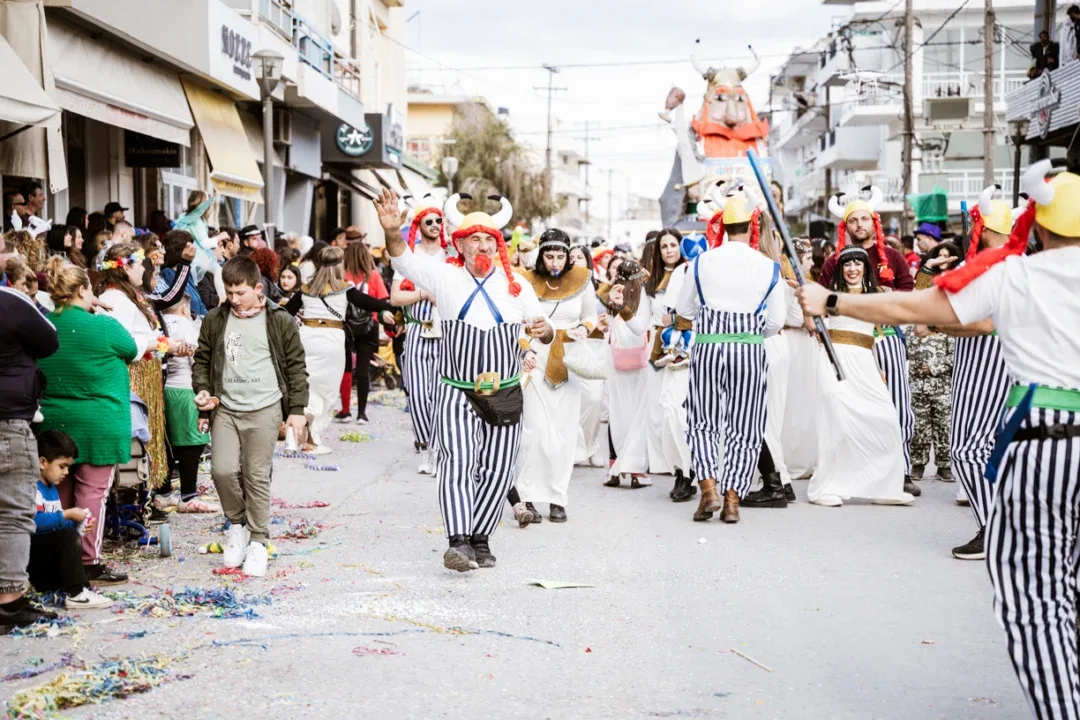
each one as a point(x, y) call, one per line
point(931, 398)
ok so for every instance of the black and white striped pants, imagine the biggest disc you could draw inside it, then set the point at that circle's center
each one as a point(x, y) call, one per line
point(726, 397)
point(476, 463)
point(891, 356)
point(1031, 552)
point(420, 373)
point(980, 385)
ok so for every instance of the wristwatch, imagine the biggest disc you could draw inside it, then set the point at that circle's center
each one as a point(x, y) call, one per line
point(830, 305)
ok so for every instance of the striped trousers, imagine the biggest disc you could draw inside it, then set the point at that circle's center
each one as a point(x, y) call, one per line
point(420, 373)
point(891, 356)
point(980, 384)
point(475, 464)
point(1031, 552)
point(727, 399)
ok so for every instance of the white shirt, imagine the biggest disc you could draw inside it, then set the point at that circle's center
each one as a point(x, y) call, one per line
point(734, 278)
point(181, 328)
point(129, 315)
point(1035, 307)
point(451, 286)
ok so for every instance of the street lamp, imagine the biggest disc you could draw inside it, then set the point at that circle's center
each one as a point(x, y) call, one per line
point(270, 62)
point(449, 167)
point(1019, 134)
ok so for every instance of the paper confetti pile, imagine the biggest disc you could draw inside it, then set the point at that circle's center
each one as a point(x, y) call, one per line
point(357, 437)
point(388, 398)
point(93, 685)
point(184, 602)
point(63, 625)
point(285, 504)
point(302, 529)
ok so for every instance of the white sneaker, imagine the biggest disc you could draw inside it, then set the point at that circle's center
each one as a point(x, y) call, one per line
point(166, 502)
point(426, 467)
point(905, 499)
point(237, 538)
point(257, 557)
point(827, 501)
point(87, 600)
point(322, 450)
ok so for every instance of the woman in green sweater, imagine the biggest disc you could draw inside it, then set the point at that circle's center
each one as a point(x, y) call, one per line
point(88, 397)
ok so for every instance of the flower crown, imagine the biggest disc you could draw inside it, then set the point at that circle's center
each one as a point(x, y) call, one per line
point(135, 257)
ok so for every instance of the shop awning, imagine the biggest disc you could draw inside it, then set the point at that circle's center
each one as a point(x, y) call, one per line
point(348, 182)
point(22, 101)
point(234, 171)
point(98, 81)
point(253, 129)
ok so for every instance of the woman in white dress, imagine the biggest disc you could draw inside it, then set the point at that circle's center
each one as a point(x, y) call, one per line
point(590, 443)
point(324, 303)
point(860, 451)
point(799, 435)
point(627, 382)
point(552, 397)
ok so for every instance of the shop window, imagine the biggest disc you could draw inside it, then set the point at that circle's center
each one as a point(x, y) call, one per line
point(177, 183)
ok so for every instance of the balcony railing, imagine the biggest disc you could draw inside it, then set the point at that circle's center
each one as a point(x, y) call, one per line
point(313, 49)
point(965, 84)
point(280, 15)
point(347, 76)
point(968, 184)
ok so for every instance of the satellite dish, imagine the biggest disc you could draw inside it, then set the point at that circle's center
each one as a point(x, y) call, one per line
point(335, 19)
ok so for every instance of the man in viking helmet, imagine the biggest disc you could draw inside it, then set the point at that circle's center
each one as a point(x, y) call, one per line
point(421, 350)
point(860, 225)
point(485, 312)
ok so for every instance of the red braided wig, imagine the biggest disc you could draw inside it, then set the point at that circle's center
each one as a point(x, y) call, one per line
point(975, 239)
point(407, 285)
point(885, 273)
point(715, 238)
point(956, 280)
point(755, 229)
point(504, 257)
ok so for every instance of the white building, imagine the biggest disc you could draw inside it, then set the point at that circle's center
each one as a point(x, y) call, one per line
point(838, 105)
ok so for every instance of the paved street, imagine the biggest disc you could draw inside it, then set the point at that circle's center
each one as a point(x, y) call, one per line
point(860, 612)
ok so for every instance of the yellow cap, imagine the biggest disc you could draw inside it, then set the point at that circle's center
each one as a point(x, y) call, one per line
point(855, 206)
point(474, 219)
point(1061, 216)
point(737, 210)
point(1000, 218)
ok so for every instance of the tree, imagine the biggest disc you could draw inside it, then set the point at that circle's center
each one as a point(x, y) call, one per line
point(492, 162)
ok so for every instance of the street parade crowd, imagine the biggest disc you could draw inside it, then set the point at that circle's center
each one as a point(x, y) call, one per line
point(721, 360)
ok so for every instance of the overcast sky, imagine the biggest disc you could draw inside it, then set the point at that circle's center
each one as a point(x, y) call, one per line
point(473, 34)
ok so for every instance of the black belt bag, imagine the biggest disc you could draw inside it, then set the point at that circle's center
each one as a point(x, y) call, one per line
point(501, 409)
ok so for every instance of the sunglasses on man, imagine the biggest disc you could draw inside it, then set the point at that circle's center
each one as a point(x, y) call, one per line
point(431, 221)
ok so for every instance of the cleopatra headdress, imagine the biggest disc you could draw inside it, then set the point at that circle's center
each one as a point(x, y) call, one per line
point(843, 212)
point(481, 222)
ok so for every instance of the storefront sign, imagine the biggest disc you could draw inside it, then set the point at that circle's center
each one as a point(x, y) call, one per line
point(145, 151)
point(354, 142)
point(1043, 104)
point(237, 49)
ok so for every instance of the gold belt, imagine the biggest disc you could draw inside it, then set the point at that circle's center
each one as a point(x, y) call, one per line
point(847, 337)
point(321, 323)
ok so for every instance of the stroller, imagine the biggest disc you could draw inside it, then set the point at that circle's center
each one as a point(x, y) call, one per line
point(130, 493)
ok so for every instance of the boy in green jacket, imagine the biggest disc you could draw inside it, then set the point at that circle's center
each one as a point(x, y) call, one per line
point(249, 372)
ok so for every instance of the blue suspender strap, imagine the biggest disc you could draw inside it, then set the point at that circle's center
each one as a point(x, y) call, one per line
point(697, 281)
point(487, 298)
point(1007, 433)
point(775, 278)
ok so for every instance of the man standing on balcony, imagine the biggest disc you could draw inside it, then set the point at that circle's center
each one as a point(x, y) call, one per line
point(1046, 54)
point(1069, 40)
point(860, 222)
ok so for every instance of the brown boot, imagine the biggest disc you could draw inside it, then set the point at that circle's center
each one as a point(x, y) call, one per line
point(730, 513)
point(710, 501)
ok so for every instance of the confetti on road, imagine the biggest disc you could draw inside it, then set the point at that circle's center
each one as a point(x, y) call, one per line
point(302, 529)
point(286, 505)
point(219, 603)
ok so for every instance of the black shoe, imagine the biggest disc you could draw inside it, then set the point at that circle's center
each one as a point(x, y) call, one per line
point(157, 516)
point(944, 474)
point(102, 574)
point(20, 613)
point(557, 514)
point(789, 493)
point(974, 549)
point(911, 487)
point(460, 555)
point(343, 417)
point(771, 494)
point(684, 489)
point(917, 472)
point(482, 551)
point(537, 517)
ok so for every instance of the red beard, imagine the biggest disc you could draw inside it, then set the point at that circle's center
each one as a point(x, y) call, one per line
point(482, 263)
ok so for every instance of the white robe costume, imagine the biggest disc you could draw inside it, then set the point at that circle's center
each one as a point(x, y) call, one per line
point(627, 396)
point(667, 389)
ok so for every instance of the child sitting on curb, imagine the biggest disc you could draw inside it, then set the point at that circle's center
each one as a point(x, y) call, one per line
point(56, 545)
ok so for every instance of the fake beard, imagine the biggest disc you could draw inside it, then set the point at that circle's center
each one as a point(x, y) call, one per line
point(482, 263)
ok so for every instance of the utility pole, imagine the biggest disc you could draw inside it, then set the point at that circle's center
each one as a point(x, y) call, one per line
point(909, 112)
point(828, 126)
point(610, 173)
point(586, 138)
point(988, 92)
point(551, 90)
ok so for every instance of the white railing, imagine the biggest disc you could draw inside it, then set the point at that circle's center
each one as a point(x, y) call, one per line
point(967, 184)
point(970, 84)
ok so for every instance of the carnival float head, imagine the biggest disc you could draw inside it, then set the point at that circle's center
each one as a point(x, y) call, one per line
point(480, 222)
point(727, 123)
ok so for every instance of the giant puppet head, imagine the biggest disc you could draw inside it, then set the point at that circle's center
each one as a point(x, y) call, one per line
point(480, 223)
point(726, 125)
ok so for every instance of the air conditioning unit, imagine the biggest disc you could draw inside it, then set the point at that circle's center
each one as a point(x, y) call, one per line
point(946, 109)
point(282, 126)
